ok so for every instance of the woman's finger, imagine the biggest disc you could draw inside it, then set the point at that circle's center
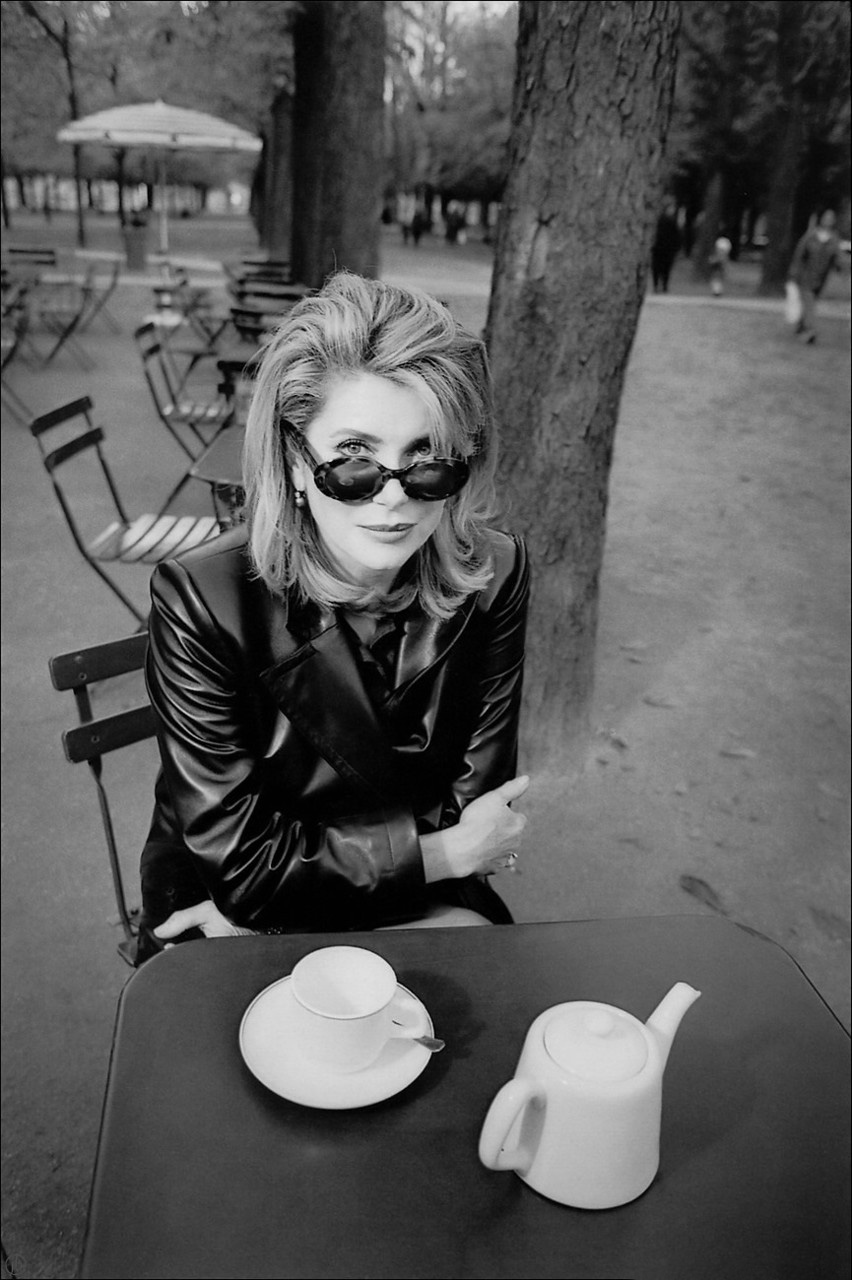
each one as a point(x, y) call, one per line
point(513, 789)
point(179, 922)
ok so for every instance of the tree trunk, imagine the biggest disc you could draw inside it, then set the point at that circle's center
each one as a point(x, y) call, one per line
point(781, 203)
point(338, 138)
point(592, 102)
point(789, 142)
point(7, 221)
point(277, 232)
point(708, 226)
point(120, 157)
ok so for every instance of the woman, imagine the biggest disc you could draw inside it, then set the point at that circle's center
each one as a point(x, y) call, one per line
point(337, 682)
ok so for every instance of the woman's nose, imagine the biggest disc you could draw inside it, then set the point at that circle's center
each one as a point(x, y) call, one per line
point(391, 495)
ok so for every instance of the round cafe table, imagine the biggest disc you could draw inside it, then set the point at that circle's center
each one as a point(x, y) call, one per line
point(204, 1171)
point(220, 466)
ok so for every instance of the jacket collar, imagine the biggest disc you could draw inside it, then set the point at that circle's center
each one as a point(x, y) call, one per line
point(316, 681)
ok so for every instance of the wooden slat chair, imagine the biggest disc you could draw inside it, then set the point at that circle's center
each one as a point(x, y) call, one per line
point(96, 736)
point(142, 540)
point(192, 423)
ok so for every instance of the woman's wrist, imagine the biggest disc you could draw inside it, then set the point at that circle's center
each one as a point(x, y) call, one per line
point(433, 850)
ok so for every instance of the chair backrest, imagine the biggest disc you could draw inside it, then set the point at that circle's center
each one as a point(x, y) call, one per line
point(94, 737)
point(15, 320)
point(260, 265)
point(25, 262)
point(252, 324)
point(101, 291)
point(43, 256)
point(160, 373)
point(78, 435)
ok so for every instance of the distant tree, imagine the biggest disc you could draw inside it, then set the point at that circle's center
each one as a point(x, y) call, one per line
point(58, 26)
point(761, 120)
point(450, 71)
point(811, 118)
point(592, 100)
point(338, 137)
point(722, 117)
point(235, 60)
point(32, 92)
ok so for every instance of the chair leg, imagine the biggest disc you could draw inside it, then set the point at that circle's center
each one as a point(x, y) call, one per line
point(174, 493)
point(100, 309)
point(66, 338)
point(16, 405)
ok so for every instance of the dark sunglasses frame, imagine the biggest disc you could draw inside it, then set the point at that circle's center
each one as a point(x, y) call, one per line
point(456, 469)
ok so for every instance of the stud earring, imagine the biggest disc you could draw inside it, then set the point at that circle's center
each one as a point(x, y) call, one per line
point(300, 498)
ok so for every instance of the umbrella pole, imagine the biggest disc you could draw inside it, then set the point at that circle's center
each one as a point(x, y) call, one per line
point(164, 215)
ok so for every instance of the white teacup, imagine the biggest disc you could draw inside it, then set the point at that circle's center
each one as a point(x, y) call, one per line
point(348, 1004)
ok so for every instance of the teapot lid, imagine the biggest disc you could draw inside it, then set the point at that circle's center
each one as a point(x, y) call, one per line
point(596, 1042)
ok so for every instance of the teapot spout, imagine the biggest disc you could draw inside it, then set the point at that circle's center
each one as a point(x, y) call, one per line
point(665, 1019)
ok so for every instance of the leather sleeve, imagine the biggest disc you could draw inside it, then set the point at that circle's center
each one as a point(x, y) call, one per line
point(492, 753)
point(264, 866)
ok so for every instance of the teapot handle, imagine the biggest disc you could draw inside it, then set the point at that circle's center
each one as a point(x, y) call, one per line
point(502, 1114)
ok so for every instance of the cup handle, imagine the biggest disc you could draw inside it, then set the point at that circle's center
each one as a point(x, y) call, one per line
point(502, 1114)
point(409, 1019)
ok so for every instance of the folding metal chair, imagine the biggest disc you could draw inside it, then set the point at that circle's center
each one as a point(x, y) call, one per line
point(94, 737)
point(28, 262)
point(253, 324)
point(16, 318)
point(196, 327)
point(192, 423)
point(260, 267)
point(101, 293)
point(60, 307)
point(146, 539)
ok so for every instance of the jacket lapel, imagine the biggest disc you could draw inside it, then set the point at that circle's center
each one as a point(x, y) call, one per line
point(316, 681)
point(426, 641)
point(317, 684)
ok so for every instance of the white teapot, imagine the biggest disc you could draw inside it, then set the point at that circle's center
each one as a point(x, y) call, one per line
point(580, 1121)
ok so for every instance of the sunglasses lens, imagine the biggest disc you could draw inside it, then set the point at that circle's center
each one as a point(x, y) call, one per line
point(432, 481)
point(349, 479)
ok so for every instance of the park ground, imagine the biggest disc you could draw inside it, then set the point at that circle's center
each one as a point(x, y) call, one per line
point(717, 775)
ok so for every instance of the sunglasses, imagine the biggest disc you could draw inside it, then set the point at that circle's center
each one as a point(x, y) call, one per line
point(357, 479)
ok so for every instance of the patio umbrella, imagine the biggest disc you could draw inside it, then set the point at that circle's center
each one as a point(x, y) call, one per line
point(156, 125)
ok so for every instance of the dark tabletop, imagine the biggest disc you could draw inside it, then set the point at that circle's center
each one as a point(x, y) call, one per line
point(203, 1172)
point(220, 463)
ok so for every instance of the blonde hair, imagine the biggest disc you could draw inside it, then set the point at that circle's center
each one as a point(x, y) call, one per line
point(355, 325)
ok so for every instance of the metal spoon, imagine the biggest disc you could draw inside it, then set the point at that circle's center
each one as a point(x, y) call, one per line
point(429, 1042)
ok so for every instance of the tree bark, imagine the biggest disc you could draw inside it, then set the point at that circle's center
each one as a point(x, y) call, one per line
point(592, 102)
point(708, 225)
point(277, 230)
point(789, 135)
point(338, 137)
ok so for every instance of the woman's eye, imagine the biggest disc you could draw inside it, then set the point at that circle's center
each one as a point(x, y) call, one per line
point(423, 449)
point(351, 447)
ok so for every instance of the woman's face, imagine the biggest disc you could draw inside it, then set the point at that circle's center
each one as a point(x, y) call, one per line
point(366, 416)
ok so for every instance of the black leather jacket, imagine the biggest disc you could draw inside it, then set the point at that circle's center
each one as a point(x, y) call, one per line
point(282, 795)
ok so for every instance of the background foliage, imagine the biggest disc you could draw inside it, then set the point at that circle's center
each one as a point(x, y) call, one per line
point(763, 94)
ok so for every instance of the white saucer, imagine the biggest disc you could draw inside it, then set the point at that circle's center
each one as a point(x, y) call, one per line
point(272, 1055)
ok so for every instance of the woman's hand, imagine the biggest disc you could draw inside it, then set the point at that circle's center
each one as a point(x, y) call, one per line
point(205, 916)
point(485, 839)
